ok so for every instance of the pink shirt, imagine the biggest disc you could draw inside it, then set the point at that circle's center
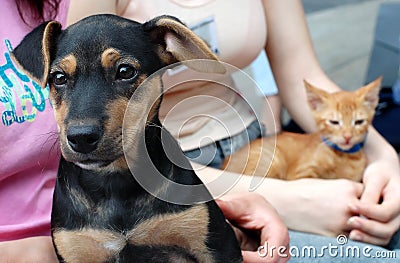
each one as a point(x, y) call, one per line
point(29, 152)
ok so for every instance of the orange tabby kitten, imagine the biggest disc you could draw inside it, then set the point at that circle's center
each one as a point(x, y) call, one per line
point(334, 151)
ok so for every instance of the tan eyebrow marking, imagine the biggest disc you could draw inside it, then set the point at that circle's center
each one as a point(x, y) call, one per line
point(109, 57)
point(68, 64)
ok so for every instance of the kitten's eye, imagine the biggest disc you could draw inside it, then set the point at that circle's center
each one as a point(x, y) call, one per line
point(125, 72)
point(58, 78)
point(333, 122)
point(359, 122)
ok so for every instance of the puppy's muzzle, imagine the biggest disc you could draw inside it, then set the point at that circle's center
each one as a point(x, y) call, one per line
point(84, 138)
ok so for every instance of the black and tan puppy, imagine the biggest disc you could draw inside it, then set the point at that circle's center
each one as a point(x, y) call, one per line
point(101, 213)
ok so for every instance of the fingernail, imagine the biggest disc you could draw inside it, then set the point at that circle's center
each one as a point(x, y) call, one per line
point(355, 236)
point(353, 222)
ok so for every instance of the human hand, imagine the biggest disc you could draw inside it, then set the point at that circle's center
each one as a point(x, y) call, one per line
point(378, 207)
point(28, 250)
point(319, 206)
point(251, 215)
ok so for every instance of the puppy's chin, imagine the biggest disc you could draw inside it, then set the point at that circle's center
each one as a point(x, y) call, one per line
point(94, 161)
point(94, 166)
point(87, 161)
point(117, 165)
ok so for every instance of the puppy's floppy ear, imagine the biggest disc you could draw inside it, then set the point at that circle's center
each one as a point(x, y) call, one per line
point(179, 43)
point(36, 50)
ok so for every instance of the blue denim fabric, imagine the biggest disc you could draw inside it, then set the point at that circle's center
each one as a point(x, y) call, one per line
point(312, 248)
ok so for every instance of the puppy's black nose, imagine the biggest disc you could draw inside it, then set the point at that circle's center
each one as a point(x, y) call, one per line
point(83, 138)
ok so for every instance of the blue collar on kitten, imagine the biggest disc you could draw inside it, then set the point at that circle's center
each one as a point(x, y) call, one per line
point(356, 148)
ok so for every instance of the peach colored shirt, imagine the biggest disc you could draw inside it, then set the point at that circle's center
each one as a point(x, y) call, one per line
point(199, 113)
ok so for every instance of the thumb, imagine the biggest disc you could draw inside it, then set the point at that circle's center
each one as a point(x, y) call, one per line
point(227, 208)
point(235, 210)
point(372, 191)
point(252, 257)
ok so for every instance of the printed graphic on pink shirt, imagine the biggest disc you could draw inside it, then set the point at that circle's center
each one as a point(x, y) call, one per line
point(21, 97)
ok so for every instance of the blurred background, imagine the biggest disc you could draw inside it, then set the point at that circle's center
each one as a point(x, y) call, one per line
point(344, 35)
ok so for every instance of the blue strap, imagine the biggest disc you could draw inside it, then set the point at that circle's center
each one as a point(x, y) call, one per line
point(354, 149)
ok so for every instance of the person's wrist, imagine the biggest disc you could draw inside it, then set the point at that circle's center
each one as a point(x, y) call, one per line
point(279, 196)
point(378, 149)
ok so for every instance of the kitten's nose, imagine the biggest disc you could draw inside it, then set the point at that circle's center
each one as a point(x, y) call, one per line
point(347, 138)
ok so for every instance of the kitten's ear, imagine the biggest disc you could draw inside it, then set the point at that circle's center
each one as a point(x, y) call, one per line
point(315, 96)
point(370, 93)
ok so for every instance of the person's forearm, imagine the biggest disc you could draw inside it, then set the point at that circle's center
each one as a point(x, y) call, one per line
point(270, 189)
point(296, 201)
point(285, 197)
point(292, 58)
point(377, 148)
point(34, 249)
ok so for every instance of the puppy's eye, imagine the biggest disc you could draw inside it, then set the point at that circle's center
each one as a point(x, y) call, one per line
point(125, 72)
point(58, 78)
